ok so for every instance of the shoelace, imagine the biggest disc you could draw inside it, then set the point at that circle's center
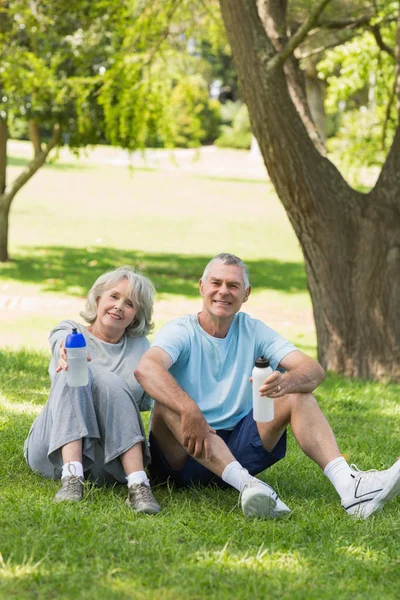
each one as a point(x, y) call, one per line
point(72, 482)
point(256, 483)
point(367, 473)
point(143, 492)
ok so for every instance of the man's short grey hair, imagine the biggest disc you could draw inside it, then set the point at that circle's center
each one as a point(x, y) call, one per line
point(141, 291)
point(228, 259)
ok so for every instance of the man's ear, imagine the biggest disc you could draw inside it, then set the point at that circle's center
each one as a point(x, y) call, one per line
point(201, 287)
point(247, 294)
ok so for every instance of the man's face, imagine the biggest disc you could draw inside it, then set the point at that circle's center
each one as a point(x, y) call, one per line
point(223, 291)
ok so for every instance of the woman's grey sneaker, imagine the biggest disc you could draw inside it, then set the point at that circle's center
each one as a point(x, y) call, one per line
point(260, 500)
point(372, 490)
point(141, 499)
point(71, 489)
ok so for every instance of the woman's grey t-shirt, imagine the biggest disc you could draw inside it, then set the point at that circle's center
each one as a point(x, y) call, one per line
point(121, 358)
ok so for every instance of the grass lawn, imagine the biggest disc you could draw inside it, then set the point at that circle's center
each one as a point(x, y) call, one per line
point(67, 226)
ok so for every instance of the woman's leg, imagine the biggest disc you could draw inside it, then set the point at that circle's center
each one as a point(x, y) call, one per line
point(140, 497)
point(72, 478)
point(99, 423)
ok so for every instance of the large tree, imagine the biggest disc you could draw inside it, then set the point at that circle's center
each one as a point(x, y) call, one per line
point(350, 240)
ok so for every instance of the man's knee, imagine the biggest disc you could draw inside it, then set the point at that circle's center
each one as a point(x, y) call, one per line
point(164, 418)
point(165, 426)
point(302, 400)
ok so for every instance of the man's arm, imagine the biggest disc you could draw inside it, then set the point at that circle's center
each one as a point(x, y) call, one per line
point(153, 375)
point(302, 374)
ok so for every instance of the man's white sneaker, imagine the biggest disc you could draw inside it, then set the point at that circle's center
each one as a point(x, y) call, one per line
point(372, 489)
point(260, 500)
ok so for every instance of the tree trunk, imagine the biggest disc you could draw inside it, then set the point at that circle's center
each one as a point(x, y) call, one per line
point(3, 232)
point(3, 208)
point(3, 154)
point(9, 193)
point(350, 241)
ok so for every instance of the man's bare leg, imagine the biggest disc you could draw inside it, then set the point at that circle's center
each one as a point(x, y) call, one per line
point(362, 493)
point(257, 498)
point(309, 426)
point(166, 428)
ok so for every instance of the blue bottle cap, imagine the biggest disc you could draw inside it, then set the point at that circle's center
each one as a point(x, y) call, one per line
point(75, 340)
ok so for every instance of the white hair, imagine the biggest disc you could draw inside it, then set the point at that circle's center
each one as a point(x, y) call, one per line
point(141, 292)
point(228, 259)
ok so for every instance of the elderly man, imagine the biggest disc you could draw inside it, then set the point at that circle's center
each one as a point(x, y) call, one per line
point(198, 369)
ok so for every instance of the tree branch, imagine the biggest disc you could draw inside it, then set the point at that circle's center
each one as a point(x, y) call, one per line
point(34, 136)
point(381, 44)
point(315, 51)
point(387, 114)
point(32, 167)
point(389, 178)
point(344, 23)
point(299, 36)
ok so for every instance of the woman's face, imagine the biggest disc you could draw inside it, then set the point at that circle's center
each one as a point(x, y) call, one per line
point(115, 310)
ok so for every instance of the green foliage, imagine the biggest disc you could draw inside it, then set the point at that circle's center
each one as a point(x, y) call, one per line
point(360, 81)
point(194, 117)
point(134, 103)
point(239, 140)
point(236, 132)
point(108, 69)
point(358, 140)
point(48, 73)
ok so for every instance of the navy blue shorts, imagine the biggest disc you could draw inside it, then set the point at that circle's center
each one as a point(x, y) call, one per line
point(243, 441)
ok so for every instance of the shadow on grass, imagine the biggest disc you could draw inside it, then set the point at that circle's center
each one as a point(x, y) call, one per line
point(73, 270)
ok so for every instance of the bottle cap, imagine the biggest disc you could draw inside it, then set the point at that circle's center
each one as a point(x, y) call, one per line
point(262, 362)
point(75, 340)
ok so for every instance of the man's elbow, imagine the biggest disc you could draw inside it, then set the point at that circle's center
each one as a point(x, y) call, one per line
point(141, 370)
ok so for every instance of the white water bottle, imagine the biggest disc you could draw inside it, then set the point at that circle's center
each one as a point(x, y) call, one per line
point(263, 407)
point(77, 372)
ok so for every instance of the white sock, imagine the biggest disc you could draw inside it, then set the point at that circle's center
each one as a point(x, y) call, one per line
point(72, 468)
point(340, 475)
point(137, 477)
point(236, 475)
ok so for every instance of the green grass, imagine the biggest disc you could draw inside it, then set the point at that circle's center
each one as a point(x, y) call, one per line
point(69, 224)
point(200, 546)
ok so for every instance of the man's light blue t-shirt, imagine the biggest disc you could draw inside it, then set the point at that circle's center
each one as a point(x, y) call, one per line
point(215, 371)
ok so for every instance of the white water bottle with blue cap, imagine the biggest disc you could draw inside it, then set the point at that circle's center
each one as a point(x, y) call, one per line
point(75, 347)
point(263, 407)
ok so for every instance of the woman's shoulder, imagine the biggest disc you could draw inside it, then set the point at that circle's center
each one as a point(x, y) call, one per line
point(137, 342)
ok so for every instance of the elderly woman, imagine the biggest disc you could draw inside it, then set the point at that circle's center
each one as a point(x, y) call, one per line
point(96, 430)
